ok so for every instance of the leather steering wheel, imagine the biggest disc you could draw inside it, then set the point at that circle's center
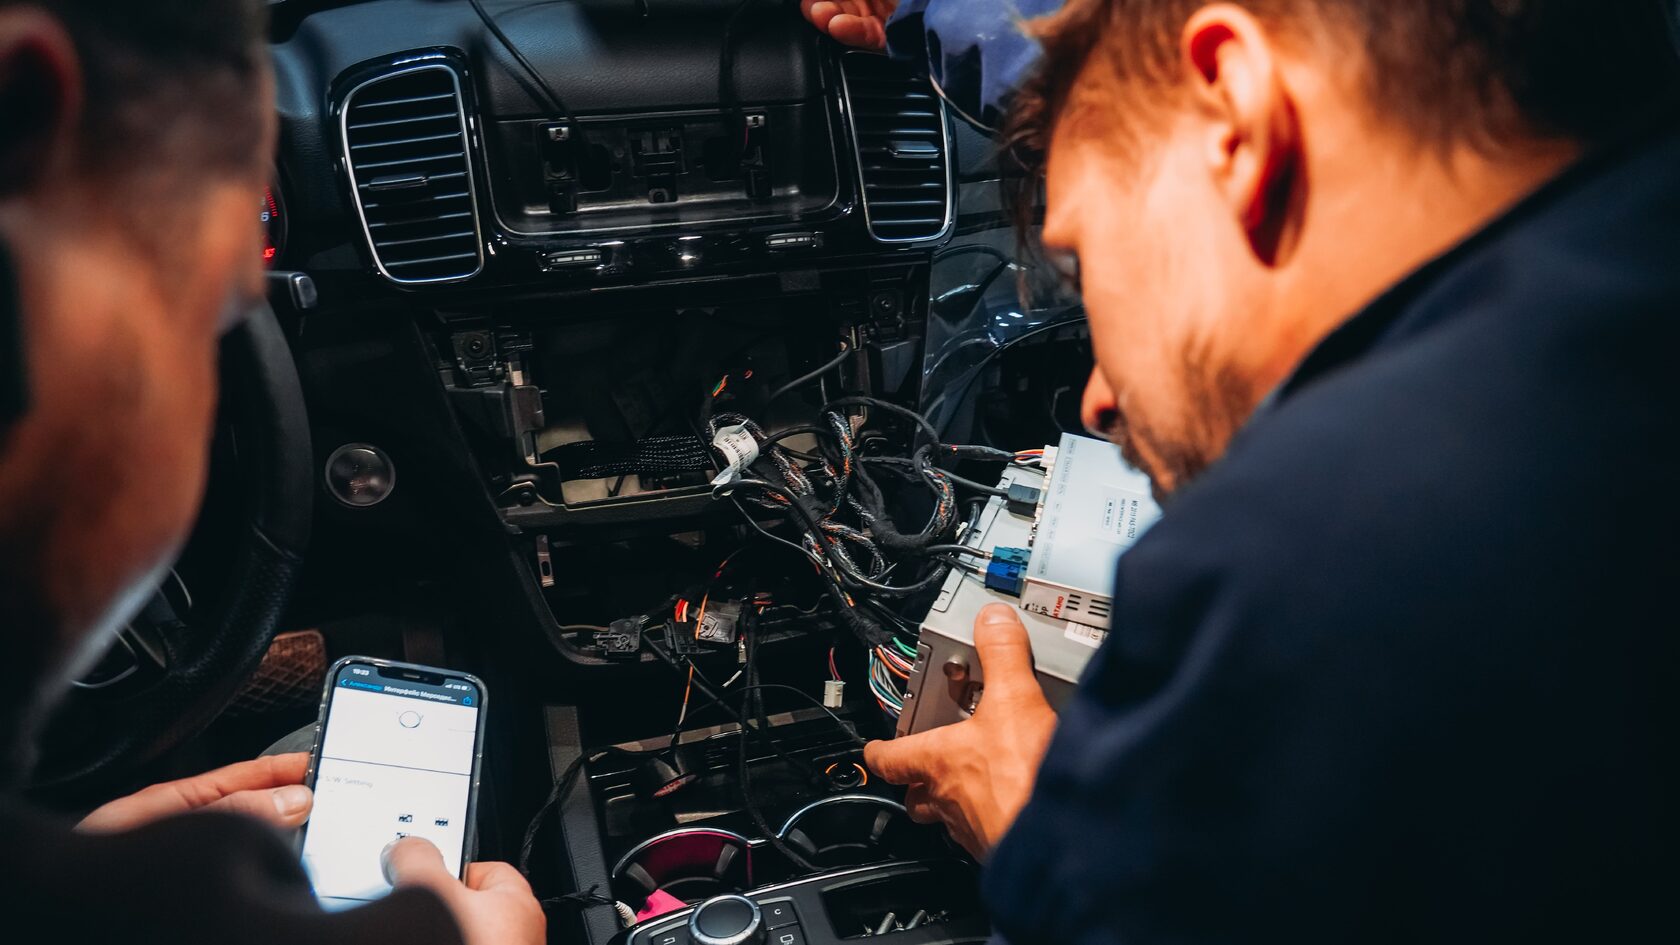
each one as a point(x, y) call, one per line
point(174, 670)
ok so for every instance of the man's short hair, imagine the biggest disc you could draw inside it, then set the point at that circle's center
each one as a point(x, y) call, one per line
point(1487, 73)
point(167, 80)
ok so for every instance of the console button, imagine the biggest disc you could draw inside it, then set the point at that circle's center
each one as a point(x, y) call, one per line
point(674, 935)
point(787, 935)
point(778, 914)
point(726, 920)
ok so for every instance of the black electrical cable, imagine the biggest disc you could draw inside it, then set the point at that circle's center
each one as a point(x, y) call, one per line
point(892, 408)
point(967, 249)
point(955, 479)
point(974, 486)
point(563, 784)
point(767, 534)
point(555, 102)
point(816, 429)
point(989, 453)
point(744, 773)
point(895, 619)
point(562, 787)
point(728, 95)
point(707, 689)
point(803, 379)
point(976, 290)
point(993, 354)
point(840, 723)
point(848, 576)
point(957, 550)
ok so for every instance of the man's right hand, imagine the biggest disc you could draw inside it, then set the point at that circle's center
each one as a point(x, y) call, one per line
point(860, 23)
point(976, 775)
point(495, 906)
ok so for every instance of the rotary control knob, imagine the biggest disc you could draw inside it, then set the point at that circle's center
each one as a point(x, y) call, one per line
point(726, 920)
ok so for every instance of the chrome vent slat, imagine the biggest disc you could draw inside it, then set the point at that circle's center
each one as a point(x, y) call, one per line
point(442, 216)
point(903, 149)
point(447, 175)
point(432, 259)
point(392, 144)
point(407, 101)
point(422, 239)
point(366, 125)
point(411, 173)
point(376, 165)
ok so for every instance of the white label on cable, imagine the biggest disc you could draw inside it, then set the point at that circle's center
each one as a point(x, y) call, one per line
point(1086, 634)
point(739, 448)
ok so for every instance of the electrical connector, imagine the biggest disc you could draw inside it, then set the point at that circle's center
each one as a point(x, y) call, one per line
point(834, 694)
point(718, 623)
point(622, 640)
point(679, 636)
point(1023, 499)
point(1007, 571)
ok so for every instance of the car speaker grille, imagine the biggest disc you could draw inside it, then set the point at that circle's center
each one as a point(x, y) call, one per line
point(405, 143)
point(898, 125)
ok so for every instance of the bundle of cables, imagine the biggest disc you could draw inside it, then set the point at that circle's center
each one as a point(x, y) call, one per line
point(889, 669)
point(840, 511)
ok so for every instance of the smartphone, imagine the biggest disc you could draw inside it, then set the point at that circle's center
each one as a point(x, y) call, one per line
point(398, 752)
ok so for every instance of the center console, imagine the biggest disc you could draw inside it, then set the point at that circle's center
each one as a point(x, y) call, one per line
point(790, 842)
point(630, 237)
point(915, 903)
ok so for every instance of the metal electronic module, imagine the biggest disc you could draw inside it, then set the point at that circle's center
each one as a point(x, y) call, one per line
point(1055, 564)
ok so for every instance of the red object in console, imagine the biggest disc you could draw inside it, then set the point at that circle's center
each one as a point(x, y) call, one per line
point(659, 902)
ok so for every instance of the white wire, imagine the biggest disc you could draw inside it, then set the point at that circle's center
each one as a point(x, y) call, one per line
point(953, 106)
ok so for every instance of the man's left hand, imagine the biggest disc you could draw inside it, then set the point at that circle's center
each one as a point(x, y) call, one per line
point(269, 789)
point(860, 23)
point(976, 775)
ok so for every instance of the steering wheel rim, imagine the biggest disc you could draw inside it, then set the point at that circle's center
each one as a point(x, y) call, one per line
point(208, 657)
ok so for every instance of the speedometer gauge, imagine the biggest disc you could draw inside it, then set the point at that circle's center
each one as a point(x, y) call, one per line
point(274, 225)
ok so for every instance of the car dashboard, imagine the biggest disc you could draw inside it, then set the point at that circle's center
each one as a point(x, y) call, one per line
point(532, 269)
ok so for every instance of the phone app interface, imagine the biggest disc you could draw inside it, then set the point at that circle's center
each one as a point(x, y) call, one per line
point(396, 761)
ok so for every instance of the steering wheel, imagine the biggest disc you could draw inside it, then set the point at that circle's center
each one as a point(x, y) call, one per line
point(179, 663)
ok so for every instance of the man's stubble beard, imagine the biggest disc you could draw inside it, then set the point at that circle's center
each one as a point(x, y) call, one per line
point(1214, 403)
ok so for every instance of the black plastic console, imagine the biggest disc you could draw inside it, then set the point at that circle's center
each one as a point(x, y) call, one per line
point(923, 903)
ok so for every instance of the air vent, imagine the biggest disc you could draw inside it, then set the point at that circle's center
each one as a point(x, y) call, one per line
point(405, 142)
point(898, 124)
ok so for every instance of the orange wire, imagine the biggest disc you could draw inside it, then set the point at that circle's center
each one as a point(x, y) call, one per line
point(682, 714)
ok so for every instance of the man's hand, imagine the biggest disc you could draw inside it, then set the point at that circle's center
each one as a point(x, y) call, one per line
point(976, 775)
point(269, 789)
point(860, 23)
point(495, 906)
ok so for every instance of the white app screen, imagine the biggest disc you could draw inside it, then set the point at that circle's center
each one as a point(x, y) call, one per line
point(392, 765)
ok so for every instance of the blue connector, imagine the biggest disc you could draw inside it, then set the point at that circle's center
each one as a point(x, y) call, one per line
point(1006, 572)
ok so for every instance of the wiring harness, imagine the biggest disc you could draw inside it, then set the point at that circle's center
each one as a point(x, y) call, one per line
point(835, 502)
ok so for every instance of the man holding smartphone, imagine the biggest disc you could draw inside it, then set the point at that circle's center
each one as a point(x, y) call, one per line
point(132, 138)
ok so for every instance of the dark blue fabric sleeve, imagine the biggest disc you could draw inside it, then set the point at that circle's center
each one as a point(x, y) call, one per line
point(974, 49)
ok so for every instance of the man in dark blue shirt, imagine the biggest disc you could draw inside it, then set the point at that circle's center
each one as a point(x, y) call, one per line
point(1386, 297)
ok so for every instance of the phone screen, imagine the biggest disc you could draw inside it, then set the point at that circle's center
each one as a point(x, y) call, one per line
point(396, 758)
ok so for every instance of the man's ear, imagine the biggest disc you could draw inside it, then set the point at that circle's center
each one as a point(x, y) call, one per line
point(1253, 131)
point(40, 96)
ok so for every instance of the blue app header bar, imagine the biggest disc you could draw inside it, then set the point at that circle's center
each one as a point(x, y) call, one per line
point(368, 679)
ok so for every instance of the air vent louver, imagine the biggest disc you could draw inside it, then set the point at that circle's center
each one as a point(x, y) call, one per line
point(405, 140)
point(898, 123)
